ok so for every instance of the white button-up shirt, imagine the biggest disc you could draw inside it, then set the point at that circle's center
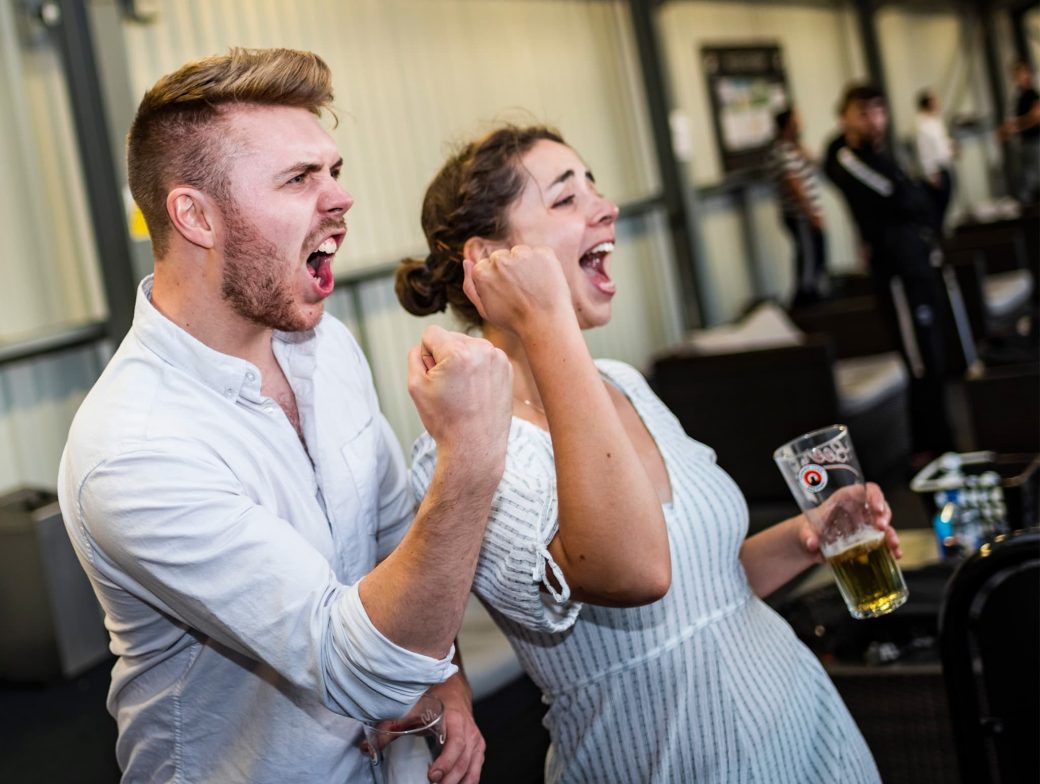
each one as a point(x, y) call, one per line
point(226, 555)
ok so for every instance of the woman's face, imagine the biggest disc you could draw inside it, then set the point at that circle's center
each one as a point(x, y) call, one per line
point(561, 208)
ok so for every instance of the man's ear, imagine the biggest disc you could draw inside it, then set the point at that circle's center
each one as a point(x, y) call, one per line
point(192, 213)
point(477, 248)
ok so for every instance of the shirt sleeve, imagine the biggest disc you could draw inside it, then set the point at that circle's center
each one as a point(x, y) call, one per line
point(172, 527)
point(514, 558)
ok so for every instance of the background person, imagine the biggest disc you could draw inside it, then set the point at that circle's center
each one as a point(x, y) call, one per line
point(229, 484)
point(935, 152)
point(896, 225)
point(1025, 124)
point(798, 187)
point(615, 559)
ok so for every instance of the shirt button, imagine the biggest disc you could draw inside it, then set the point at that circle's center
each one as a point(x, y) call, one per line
point(229, 392)
point(250, 376)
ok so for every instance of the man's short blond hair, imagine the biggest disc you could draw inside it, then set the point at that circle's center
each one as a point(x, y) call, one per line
point(178, 139)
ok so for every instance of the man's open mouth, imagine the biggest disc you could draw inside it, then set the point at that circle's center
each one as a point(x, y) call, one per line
point(319, 263)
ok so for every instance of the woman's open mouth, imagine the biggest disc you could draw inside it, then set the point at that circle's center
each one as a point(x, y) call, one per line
point(593, 261)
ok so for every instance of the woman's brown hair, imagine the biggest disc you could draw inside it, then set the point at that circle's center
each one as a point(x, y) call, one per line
point(469, 197)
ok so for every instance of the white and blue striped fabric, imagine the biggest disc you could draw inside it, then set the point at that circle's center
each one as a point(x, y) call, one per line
point(706, 685)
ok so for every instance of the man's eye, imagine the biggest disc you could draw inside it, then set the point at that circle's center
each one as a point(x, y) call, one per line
point(335, 173)
point(564, 201)
point(298, 179)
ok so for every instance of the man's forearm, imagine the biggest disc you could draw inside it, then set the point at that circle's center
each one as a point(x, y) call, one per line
point(417, 595)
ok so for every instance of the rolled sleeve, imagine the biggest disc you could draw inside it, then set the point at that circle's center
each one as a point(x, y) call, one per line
point(369, 676)
point(190, 544)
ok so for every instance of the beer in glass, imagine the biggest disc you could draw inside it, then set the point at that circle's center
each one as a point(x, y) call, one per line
point(824, 476)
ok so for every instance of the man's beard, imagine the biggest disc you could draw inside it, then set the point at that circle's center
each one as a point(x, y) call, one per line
point(255, 282)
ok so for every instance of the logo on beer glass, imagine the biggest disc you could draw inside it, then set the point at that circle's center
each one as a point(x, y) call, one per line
point(813, 477)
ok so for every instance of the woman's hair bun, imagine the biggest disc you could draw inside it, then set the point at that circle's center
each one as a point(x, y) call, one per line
point(417, 290)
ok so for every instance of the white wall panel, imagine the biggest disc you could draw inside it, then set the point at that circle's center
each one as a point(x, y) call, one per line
point(48, 264)
point(414, 77)
point(728, 282)
point(904, 35)
point(37, 402)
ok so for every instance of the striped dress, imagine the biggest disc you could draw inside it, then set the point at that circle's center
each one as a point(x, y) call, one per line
point(706, 685)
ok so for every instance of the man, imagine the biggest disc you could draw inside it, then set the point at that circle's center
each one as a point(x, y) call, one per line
point(230, 486)
point(935, 154)
point(895, 220)
point(799, 189)
point(1025, 124)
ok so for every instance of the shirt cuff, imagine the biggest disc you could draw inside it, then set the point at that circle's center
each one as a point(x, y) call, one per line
point(370, 677)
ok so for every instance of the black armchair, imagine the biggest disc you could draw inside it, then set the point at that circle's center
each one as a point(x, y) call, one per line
point(990, 643)
point(746, 400)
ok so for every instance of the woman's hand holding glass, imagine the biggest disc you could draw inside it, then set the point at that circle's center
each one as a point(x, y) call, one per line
point(880, 512)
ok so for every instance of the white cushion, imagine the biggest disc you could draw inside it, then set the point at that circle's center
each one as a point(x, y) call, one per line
point(863, 382)
point(1006, 292)
point(767, 326)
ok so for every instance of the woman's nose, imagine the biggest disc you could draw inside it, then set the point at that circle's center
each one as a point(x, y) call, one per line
point(605, 211)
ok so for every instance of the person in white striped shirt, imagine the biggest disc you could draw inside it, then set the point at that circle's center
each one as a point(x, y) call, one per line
point(798, 188)
point(615, 557)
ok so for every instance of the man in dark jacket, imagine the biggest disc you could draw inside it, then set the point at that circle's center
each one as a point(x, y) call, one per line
point(895, 220)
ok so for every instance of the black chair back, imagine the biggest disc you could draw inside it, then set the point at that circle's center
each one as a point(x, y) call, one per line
point(989, 639)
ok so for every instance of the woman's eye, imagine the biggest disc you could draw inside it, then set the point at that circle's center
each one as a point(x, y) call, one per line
point(564, 201)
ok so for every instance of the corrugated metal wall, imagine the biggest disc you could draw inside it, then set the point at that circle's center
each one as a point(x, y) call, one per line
point(50, 275)
point(414, 77)
point(50, 271)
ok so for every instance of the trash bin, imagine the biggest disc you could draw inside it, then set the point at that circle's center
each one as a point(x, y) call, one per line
point(52, 624)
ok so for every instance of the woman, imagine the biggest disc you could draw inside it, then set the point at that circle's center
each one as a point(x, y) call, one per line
point(615, 558)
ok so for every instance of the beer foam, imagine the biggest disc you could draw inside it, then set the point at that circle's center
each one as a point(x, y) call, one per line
point(862, 536)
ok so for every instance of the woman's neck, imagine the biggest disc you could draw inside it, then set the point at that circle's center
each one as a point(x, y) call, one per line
point(525, 389)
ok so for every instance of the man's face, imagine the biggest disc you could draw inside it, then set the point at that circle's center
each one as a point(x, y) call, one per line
point(865, 122)
point(285, 220)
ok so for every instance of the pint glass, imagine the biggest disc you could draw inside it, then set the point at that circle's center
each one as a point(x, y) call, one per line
point(824, 476)
point(402, 750)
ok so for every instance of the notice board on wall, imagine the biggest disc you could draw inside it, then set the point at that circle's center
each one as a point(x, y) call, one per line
point(748, 86)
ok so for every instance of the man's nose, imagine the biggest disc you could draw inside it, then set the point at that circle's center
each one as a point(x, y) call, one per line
point(336, 199)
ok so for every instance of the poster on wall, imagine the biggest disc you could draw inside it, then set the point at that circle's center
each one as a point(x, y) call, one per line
point(747, 85)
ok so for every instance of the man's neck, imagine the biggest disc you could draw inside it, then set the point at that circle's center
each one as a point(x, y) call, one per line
point(200, 310)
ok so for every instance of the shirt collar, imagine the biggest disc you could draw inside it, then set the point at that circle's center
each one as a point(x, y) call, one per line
point(229, 376)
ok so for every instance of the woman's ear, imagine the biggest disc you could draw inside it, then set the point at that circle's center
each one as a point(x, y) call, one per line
point(192, 213)
point(477, 248)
